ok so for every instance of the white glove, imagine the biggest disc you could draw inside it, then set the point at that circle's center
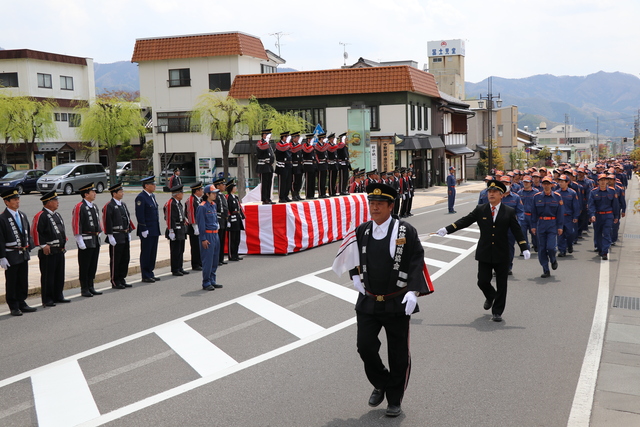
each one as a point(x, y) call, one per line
point(410, 299)
point(172, 235)
point(196, 231)
point(268, 137)
point(228, 224)
point(357, 283)
point(526, 254)
point(129, 235)
point(442, 232)
point(4, 263)
point(112, 240)
point(80, 242)
point(144, 234)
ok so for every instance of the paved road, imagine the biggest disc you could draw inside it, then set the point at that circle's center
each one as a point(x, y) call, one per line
point(276, 347)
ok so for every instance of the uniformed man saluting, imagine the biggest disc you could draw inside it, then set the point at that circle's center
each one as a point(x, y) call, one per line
point(118, 227)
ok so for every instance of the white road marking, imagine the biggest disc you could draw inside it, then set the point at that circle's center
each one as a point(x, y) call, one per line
point(331, 288)
point(580, 414)
point(436, 263)
point(443, 247)
point(280, 316)
point(55, 389)
point(200, 353)
point(462, 238)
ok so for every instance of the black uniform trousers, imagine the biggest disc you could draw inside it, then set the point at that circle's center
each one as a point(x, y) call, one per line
point(322, 183)
point(499, 294)
point(344, 179)
point(17, 285)
point(234, 243)
point(194, 242)
point(119, 257)
point(222, 236)
point(52, 268)
point(266, 179)
point(396, 205)
point(148, 253)
point(88, 265)
point(284, 179)
point(297, 184)
point(396, 327)
point(333, 179)
point(176, 249)
point(310, 188)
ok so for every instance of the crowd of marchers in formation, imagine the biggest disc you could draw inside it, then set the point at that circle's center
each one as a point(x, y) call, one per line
point(321, 162)
point(208, 217)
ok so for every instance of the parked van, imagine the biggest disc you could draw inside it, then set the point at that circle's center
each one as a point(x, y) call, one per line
point(67, 178)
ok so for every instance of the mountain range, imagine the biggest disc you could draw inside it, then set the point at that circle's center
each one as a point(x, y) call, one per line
point(606, 103)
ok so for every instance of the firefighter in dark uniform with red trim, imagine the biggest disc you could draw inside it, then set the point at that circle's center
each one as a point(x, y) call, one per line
point(15, 244)
point(322, 165)
point(117, 224)
point(236, 216)
point(310, 167)
point(85, 221)
point(223, 218)
point(297, 169)
point(265, 157)
point(343, 163)
point(176, 230)
point(192, 229)
point(390, 277)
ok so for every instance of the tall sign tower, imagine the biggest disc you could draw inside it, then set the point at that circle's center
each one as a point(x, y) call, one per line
point(446, 63)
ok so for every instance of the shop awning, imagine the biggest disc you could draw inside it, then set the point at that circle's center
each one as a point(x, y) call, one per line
point(458, 150)
point(243, 147)
point(480, 147)
point(52, 146)
point(419, 142)
point(450, 109)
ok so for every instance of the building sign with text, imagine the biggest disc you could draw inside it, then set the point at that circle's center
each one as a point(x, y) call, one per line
point(446, 48)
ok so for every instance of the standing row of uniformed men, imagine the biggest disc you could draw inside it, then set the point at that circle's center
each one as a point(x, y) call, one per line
point(206, 218)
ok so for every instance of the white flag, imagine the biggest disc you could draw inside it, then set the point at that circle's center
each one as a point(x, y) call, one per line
point(348, 256)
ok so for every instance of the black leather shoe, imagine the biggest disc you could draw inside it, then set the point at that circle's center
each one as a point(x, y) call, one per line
point(554, 265)
point(376, 398)
point(562, 255)
point(27, 309)
point(217, 286)
point(393, 411)
point(16, 312)
point(510, 273)
point(49, 304)
point(209, 288)
point(184, 272)
point(223, 263)
point(63, 300)
point(86, 294)
point(148, 280)
point(126, 285)
point(496, 318)
point(570, 249)
point(177, 273)
point(94, 292)
point(545, 275)
point(605, 257)
point(157, 279)
point(196, 268)
point(234, 259)
point(487, 304)
point(117, 286)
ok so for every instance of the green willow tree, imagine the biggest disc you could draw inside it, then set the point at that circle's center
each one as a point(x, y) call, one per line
point(35, 122)
point(110, 122)
point(10, 109)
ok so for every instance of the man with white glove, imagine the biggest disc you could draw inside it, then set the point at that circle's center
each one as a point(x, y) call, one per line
point(4, 263)
point(190, 208)
point(148, 228)
point(86, 229)
point(390, 275)
point(494, 219)
point(176, 232)
point(118, 227)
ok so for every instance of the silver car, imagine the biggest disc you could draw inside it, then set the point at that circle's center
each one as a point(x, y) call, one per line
point(67, 178)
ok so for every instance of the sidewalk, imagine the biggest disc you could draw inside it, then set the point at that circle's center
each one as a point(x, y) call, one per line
point(423, 198)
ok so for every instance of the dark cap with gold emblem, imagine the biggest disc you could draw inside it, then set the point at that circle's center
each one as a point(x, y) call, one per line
point(497, 185)
point(51, 195)
point(115, 188)
point(381, 192)
point(10, 194)
point(85, 189)
point(195, 187)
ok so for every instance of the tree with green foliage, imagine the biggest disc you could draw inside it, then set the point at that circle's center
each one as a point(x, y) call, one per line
point(256, 117)
point(35, 122)
point(109, 122)
point(482, 168)
point(517, 158)
point(147, 152)
point(10, 108)
point(126, 152)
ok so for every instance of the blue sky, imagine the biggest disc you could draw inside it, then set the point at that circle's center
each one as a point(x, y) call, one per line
point(506, 38)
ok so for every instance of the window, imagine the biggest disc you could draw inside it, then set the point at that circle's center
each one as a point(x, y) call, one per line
point(44, 80)
point(66, 83)
point(267, 69)
point(374, 118)
point(178, 121)
point(314, 116)
point(8, 79)
point(412, 109)
point(180, 77)
point(420, 117)
point(426, 118)
point(60, 117)
point(233, 162)
point(439, 59)
point(74, 120)
point(221, 82)
point(500, 130)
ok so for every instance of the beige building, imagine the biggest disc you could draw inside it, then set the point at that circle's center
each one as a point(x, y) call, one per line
point(573, 145)
point(446, 63)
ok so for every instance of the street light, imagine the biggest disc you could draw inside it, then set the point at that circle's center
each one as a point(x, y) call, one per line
point(490, 97)
point(163, 129)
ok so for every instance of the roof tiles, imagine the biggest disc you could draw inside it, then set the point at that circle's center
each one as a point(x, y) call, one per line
point(335, 82)
point(198, 46)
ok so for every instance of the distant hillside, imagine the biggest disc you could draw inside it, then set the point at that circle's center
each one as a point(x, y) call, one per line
point(612, 98)
point(122, 75)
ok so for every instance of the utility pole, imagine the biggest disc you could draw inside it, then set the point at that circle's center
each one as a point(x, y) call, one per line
point(345, 55)
point(278, 36)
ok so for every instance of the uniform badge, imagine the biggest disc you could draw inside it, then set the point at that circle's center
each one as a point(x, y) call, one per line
point(401, 241)
point(139, 203)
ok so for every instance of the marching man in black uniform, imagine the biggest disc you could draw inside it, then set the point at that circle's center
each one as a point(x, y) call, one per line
point(223, 217)
point(15, 244)
point(310, 167)
point(118, 226)
point(236, 216)
point(49, 235)
point(85, 221)
point(148, 228)
point(176, 230)
point(265, 156)
point(390, 276)
point(192, 229)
